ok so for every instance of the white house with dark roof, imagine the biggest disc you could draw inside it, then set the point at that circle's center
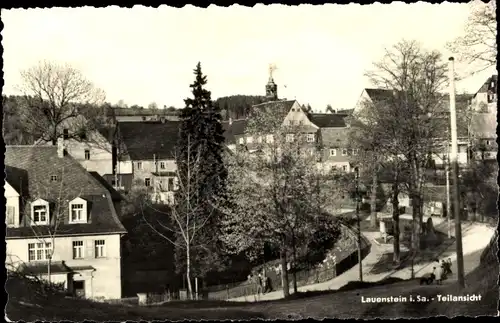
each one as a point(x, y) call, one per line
point(61, 217)
point(484, 120)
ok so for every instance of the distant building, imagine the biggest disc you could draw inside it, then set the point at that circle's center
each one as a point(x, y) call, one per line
point(484, 121)
point(150, 147)
point(57, 211)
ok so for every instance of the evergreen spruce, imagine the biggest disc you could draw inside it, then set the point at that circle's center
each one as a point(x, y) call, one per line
point(202, 130)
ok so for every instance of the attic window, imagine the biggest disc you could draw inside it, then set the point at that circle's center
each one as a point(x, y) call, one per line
point(40, 212)
point(54, 178)
point(78, 211)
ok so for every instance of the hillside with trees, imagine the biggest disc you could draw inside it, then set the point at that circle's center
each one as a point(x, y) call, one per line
point(237, 106)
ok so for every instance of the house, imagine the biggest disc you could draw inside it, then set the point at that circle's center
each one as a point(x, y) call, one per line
point(150, 146)
point(61, 220)
point(440, 116)
point(94, 148)
point(484, 120)
point(326, 133)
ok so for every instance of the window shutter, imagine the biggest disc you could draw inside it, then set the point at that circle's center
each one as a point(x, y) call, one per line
point(176, 183)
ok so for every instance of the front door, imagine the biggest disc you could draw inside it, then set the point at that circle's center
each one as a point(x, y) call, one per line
point(79, 288)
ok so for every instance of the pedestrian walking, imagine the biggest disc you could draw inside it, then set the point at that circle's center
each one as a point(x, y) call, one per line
point(438, 274)
point(259, 284)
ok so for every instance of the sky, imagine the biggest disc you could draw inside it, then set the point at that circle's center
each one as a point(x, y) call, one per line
point(143, 55)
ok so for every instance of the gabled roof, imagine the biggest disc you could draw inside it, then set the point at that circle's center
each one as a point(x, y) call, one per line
point(280, 107)
point(143, 140)
point(328, 120)
point(17, 178)
point(486, 86)
point(379, 94)
point(42, 162)
point(116, 196)
point(236, 128)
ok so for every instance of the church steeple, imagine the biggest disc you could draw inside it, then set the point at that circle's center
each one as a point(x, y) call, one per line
point(271, 87)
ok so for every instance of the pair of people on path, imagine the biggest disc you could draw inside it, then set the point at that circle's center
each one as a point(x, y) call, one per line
point(261, 282)
point(441, 270)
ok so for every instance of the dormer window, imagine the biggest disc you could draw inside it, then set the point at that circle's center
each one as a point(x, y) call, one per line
point(54, 178)
point(78, 211)
point(40, 212)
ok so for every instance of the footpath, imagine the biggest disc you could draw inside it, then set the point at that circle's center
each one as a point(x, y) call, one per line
point(475, 237)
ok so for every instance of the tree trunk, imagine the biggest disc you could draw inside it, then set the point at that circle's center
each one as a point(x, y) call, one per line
point(395, 222)
point(284, 273)
point(415, 194)
point(373, 200)
point(294, 261)
point(48, 269)
point(188, 273)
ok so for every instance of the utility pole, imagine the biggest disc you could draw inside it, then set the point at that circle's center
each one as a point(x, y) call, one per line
point(356, 169)
point(454, 163)
point(447, 171)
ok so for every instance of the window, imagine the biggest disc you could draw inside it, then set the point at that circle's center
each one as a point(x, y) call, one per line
point(100, 251)
point(289, 137)
point(487, 142)
point(355, 152)
point(147, 182)
point(77, 214)
point(39, 251)
point(143, 118)
point(54, 178)
point(269, 139)
point(65, 134)
point(344, 168)
point(310, 137)
point(11, 213)
point(333, 152)
point(87, 154)
point(162, 165)
point(170, 186)
point(242, 141)
point(78, 249)
point(40, 214)
point(344, 152)
point(249, 140)
point(138, 165)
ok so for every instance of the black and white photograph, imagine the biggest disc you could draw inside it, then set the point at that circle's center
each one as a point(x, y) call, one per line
point(250, 162)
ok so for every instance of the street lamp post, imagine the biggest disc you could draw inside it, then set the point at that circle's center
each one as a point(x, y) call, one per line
point(454, 163)
point(356, 169)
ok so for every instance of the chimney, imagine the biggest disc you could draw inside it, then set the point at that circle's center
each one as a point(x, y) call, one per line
point(230, 121)
point(60, 147)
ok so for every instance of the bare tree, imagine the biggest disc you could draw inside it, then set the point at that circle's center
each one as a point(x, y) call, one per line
point(478, 47)
point(153, 106)
point(187, 218)
point(58, 96)
point(414, 77)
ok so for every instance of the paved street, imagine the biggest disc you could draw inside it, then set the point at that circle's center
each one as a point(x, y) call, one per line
point(475, 237)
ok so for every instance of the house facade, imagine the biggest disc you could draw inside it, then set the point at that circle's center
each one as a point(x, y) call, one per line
point(150, 146)
point(59, 216)
point(484, 121)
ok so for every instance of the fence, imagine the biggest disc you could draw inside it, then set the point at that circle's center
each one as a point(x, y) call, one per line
point(343, 260)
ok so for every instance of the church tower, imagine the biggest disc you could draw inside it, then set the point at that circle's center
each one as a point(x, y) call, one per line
point(271, 87)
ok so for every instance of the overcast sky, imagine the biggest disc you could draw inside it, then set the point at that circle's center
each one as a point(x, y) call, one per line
point(143, 55)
